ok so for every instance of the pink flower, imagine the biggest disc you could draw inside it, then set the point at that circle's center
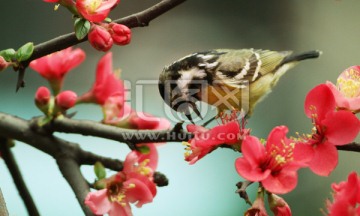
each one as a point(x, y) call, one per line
point(144, 164)
point(106, 85)
point(132, 185)
point(100, 38)
point(278, 205)
point(346, 197)
point(206, 140)
point(121, 34)
point(273, 165)
point(65, 100)
point(331, 128)
point(54, 67)
point(347, 92)
point(95, 10)
point(115, 110)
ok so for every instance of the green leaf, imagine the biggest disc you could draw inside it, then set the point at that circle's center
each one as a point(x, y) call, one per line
point(144, 149)
point(82, 28)
point(24, 52)
point(99, 170)
point(8, 54)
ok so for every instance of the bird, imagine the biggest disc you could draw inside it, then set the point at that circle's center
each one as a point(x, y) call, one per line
point(229, 79)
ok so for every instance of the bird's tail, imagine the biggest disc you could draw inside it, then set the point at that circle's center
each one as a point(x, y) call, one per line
point(300, 57)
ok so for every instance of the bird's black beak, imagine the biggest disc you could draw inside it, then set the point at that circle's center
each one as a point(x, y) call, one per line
point(179, 101)
point(185, 107)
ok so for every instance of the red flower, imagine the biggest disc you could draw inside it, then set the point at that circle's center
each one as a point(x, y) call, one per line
point(106, 85)
point(65, 100)
point(120, 34)
point(346, 197)
point(132, 185)
point(206, 140)
point(54, 67)
point(347, 92)
point(100, 38)
point(95, 10)
point(331, 128)
point(273, 165)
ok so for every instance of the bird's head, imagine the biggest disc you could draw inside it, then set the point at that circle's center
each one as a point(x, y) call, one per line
point(180, 88)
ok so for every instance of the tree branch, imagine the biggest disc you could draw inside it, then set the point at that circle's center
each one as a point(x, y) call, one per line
point(3, 208)
point(92, 128)
point(15, 172)
point(89, 158)
point(71, 172)
point(139, 19)
point(354, 147)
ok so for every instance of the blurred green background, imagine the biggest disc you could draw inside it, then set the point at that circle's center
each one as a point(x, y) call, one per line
point(206, 188)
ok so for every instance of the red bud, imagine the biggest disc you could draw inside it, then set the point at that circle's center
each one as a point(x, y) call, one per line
point(100, 38)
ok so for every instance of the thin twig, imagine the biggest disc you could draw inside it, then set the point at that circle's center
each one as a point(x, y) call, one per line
point(354, 147)
point(15, 172)
point(71, 172)
point(242, 186)
point(89, 158)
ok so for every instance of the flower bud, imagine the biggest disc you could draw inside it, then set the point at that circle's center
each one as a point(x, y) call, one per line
point(100, 38)
point(42, 98)
point(120, 34)
point(3, 64)
point(278, 205)
point(65, 100)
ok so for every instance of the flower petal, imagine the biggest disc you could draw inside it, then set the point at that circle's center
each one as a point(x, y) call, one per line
point(342, 127)
point(253, 150)
point(138, 191)
point(277, 137)
point(303, 153)
point(98, 202)
point(281, 183)
point(123, 209)
point(319, 101)
point(325, 159)
point(250, 171)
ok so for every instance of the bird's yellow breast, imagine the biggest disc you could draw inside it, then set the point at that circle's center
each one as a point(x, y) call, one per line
point(225, 97)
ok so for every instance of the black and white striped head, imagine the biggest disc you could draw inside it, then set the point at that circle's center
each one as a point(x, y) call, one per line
point(180, 84)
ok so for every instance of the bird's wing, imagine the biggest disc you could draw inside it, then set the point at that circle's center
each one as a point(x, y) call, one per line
point(237, 68)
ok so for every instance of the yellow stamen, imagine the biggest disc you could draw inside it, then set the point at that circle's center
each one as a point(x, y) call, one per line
point(93, 5)
point(131, 185)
